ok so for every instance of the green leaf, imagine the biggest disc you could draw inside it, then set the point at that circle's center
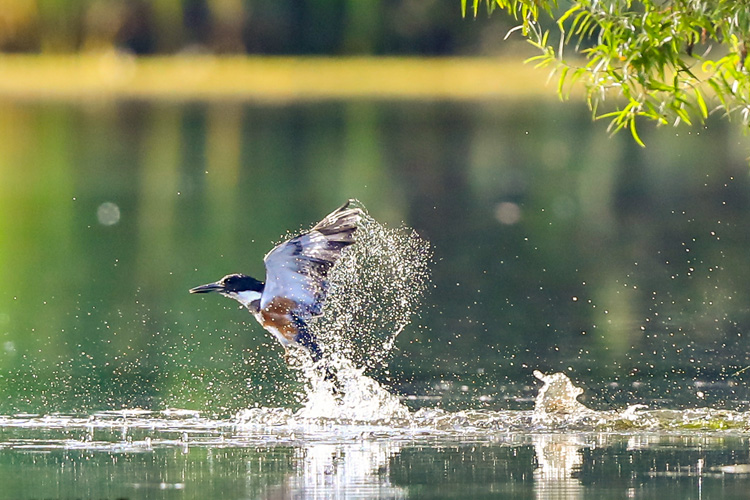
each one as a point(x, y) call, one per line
point(566, 15)
point(561, 82)
point(634, 133)
point(701, 102)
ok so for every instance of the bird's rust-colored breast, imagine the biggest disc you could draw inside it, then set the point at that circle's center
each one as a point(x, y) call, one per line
point(277, 316)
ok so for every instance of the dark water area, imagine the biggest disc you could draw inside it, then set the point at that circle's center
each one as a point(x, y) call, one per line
point(555, 248)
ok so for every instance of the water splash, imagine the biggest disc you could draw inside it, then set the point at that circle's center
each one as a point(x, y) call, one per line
point(333, 418)
point(557, 408)
point(557, 401)
point(355, 398)
point(374, 291)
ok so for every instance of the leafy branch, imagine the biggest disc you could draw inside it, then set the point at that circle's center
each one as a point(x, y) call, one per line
point(660, 58)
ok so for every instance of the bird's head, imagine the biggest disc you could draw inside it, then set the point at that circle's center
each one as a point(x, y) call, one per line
point(243, 289)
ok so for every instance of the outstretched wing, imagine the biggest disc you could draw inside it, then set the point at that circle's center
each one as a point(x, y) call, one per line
point(297, 269)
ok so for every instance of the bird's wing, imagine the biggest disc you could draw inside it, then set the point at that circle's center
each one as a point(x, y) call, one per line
point(297, 269)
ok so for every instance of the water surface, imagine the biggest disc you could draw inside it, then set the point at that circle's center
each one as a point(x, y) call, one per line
point(560, 450)
point(556, 248)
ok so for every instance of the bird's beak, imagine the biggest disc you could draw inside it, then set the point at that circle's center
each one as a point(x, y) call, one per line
point(211, 287)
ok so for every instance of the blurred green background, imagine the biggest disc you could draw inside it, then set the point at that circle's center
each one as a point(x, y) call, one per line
point(557, 247)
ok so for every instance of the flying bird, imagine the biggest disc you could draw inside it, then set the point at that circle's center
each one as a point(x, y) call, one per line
point(296, 279)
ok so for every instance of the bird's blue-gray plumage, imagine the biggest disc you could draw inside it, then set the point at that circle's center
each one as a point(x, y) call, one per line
point(298, 269)
point(296, 279)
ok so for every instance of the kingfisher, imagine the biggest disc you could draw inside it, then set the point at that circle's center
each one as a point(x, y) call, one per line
point(296, 282)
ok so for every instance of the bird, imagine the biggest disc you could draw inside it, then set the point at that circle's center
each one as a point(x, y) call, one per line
point(296, 283)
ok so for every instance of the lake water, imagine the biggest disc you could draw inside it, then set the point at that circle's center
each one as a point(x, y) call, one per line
point(554, 248)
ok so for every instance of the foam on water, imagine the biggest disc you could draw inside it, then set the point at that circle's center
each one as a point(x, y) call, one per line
point(355, 398)
point(323, 419)
point(556, 409)
point(351, 419)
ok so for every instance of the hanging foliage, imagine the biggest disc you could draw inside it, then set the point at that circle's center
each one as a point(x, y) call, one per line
point(667, 61)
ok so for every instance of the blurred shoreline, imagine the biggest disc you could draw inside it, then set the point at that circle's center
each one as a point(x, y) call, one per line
point(115, 75)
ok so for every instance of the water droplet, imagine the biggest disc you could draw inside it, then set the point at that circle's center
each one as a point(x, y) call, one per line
point(108, 213)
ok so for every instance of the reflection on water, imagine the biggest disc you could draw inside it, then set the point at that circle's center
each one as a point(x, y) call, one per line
point(358, 470)
point(58, 456)
point(559, 461)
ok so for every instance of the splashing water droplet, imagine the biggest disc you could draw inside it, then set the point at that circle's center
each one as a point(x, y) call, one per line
point(355, 398)
point(374, 291)
point(557, 401)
